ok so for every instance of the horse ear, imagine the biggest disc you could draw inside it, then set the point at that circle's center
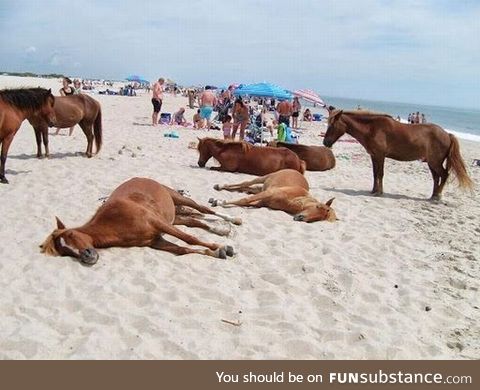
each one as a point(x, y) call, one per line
point(199, 138)
point(60, 224)
point(329, 202)
point(50, 90)
point(330, 108)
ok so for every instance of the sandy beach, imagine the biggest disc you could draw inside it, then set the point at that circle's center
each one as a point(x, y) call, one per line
point(396, 277)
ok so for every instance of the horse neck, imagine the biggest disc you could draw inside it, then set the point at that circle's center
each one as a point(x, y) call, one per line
point(101, 235)
point(300, 203)
point(354, 128)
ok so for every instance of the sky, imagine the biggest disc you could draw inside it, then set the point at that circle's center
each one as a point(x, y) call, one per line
point(414, 51)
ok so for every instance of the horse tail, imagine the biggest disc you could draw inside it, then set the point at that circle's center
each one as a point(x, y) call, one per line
point(97, 130)
point(455, 162)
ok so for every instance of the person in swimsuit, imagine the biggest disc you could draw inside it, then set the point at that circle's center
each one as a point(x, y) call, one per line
point(227, 127)
point(179, 118)
point(296, 107)
point(240, 118)
point(157, 99)
point(66, 90)
point(207, 101)
point(284, 110)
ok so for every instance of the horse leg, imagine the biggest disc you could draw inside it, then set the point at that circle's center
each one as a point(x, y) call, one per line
point(164, 245)
point(440, 176)
point(377, 163)
point(190, 221)
point(218, 250)
point(3, 157)
point(88, 131)
point(45, 141)
point(38, 138)
point(244, 186)
point(179, 200)
point(257, 200)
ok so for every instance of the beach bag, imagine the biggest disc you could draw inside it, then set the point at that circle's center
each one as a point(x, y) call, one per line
point(281, 132)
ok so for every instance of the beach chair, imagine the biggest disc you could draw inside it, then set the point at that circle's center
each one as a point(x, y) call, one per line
point(256, 133)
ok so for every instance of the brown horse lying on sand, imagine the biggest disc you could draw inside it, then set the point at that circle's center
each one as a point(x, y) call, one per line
point(138, 213)
point(382, 136)
point(69, 111)
point(317, 158)
point(15, 106)
point(246, 158)
point(285, 190)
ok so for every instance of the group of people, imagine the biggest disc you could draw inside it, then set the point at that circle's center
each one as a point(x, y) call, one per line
point(233, 113)
point(416, 118)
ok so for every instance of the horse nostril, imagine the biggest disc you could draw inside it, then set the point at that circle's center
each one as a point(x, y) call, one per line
point(298, 217)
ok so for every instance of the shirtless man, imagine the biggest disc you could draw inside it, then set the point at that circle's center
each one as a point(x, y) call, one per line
point(207, 101)
point(284, 110)
point(157, 99)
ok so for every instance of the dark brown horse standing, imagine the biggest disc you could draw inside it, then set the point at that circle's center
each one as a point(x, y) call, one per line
point(138, 213)
point(317, 158)
point(382, 136)
point(15, 106)
point(71, 110)
point(246, 158)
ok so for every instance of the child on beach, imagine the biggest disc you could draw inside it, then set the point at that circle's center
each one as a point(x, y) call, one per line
point(227, 127)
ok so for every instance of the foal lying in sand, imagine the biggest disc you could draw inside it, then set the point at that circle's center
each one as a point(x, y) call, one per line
point(138, 213)
point(285, 190)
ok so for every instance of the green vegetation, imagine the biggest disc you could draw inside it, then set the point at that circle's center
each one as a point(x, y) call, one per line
point(30, 74)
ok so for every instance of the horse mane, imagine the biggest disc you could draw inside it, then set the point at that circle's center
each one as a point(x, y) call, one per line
point(48, 246)
point(25, 98)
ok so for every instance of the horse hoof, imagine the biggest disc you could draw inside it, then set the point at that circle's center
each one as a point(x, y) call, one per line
point(435, 198)
point(211, 200)
point(214, 203)
point(237, 221)
point(216, 187)
point(229, 250)
point(221, 253)
point(3, 180)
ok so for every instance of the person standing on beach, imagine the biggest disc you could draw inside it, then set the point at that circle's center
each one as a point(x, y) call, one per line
point(284, 110)
point(296, 107)
point(207, 101)
point(191, 98)
point(240, 118)
point(66, 90)
point(157, 99)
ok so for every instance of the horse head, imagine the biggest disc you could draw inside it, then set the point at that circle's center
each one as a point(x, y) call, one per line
point(70, 242)
point(317, 212)
point(47, 111)
point(336, 127)
point(204, 151)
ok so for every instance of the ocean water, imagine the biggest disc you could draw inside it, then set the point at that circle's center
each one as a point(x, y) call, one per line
point(463, 122)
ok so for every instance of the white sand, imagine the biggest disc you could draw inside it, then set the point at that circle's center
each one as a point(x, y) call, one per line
point(300, 291)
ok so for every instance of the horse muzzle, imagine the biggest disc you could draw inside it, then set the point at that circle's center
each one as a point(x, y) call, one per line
point(201, 164)
point(299, 217)
point(327, 143)
point(89, 256)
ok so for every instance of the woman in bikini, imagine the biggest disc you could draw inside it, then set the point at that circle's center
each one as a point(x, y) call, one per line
point(66, 90)
point(240, 118)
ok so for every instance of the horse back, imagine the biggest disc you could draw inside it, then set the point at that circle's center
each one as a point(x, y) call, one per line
point(317, 158)
point(264, 160)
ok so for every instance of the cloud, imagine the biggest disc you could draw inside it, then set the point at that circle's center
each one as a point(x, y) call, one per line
point(386, 49)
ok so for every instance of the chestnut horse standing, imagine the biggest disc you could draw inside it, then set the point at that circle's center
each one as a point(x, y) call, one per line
point(382, 136)
point(15, 106)
point(246, 158)
point(285, 190)
point(70, 110)
point(138, 213)
point(317, 158)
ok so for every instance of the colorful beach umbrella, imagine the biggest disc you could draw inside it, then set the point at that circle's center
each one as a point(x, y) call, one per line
point(263, 90)
point(310, 96)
